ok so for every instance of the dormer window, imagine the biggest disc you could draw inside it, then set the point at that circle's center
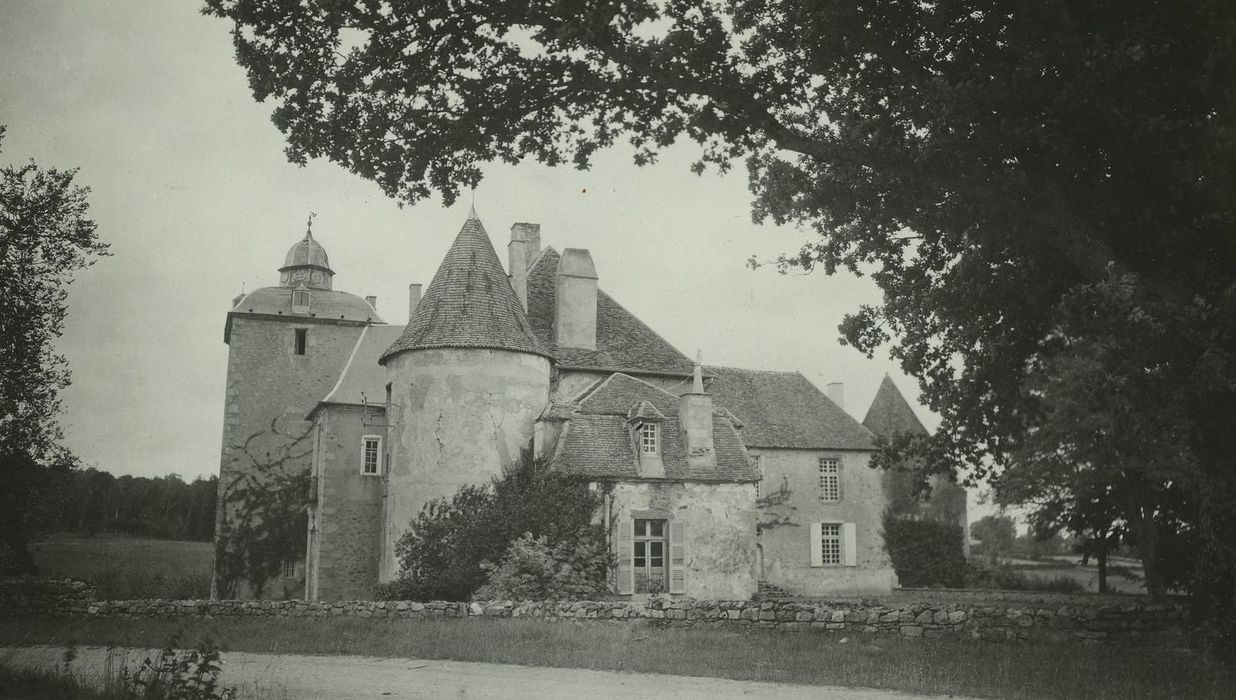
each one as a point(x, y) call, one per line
point(648, 438)
point(300, 300)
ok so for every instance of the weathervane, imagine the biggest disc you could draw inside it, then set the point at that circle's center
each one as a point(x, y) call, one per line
point(309, 225)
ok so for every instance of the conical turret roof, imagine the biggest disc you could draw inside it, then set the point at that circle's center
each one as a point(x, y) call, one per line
point(890, 413)
point(469, 303)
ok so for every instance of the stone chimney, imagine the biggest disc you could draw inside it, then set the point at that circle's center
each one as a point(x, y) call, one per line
point(836, 392)
point(414, 298)
point(575, 303)
point(372, 301)
point(520, 252)
point(695, 418)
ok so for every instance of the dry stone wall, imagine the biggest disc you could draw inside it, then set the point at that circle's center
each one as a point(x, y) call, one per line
point(1073, 620)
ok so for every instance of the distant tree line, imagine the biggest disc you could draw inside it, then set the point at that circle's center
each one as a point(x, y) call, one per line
point(91, 501)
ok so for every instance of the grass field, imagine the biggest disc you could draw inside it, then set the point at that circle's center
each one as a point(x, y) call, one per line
point(125, 568)
point(938, 666)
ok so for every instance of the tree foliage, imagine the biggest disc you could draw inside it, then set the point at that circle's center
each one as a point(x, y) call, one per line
point(925, 553)
point(998, 533)
point(990, 164)
point(533, 570)
point(453, 544)
point(45, 237)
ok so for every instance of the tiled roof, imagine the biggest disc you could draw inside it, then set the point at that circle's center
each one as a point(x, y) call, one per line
point(624, 343)
point(619, 392)
point(323, 303)
point(890, 413)
point(783, 409)
point(597, 441)
point(469, 303)
point(363, 380)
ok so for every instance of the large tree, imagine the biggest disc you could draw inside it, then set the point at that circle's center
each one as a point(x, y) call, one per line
point(45, 237)
point(993, 162)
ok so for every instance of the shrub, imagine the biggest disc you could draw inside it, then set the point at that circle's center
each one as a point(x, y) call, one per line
point(1007, 578)
point(925, 553)
point(533, 570)
point(452, 544)
point(179, 674)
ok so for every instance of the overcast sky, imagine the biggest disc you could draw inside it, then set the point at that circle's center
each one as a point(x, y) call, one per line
point(191, 188)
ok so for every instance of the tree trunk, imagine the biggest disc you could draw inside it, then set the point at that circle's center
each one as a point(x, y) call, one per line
point(1102, 562)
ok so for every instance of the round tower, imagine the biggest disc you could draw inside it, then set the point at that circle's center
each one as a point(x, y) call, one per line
point(467, 380)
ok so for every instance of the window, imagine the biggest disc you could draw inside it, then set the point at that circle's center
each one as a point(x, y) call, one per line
point(834, 544)
point(650, 556)
point(648, 438)
point(371, 449)
point(302, 335)
point(289, 568)
point(300, 300)
point(830, 544)
point(830, 479)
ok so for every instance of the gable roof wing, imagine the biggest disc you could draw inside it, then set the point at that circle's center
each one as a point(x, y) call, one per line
point(785, 410)
point(597, 440)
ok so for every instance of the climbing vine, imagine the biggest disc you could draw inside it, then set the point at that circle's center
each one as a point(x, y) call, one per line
point(264, 522)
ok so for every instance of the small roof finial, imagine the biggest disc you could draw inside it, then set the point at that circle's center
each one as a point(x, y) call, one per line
point(472, 209)
point(697, 374)
point(309, 225)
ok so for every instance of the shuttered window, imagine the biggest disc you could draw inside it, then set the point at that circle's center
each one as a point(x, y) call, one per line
point(651, 556)
point(625, 571)
point(678, 556)
point(834, 544)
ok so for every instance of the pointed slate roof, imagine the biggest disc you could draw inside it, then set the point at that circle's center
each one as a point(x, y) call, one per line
point(469, 303)
point(890, 413)
point(784, 409)
point(624, 343)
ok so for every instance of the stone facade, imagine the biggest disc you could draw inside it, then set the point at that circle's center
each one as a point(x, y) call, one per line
point(718, 525)
point(791, 502)
point(346, 509)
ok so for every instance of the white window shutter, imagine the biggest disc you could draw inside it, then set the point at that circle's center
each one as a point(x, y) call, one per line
point(678, 556)
point(840, 480)
point(817, 554)
point(626, 555)
point(849, 544)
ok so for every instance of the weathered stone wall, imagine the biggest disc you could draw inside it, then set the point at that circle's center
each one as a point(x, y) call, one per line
point(270, 390)
point(345, 524)
point(790, 502)
point(1127, 621)
point(719, 530)
point(458, 416)
point(34, 593)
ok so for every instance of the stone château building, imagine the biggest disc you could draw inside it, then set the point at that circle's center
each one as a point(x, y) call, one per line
point(721, 479)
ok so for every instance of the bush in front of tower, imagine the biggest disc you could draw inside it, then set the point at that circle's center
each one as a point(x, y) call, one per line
point(454, 544)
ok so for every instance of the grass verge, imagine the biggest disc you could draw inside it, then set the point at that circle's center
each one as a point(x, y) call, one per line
point(937, 666)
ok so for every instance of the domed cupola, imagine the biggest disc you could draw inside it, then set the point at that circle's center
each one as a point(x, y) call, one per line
point(306, 264)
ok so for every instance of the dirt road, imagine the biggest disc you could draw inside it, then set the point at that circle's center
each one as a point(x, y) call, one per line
point(279, 676)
